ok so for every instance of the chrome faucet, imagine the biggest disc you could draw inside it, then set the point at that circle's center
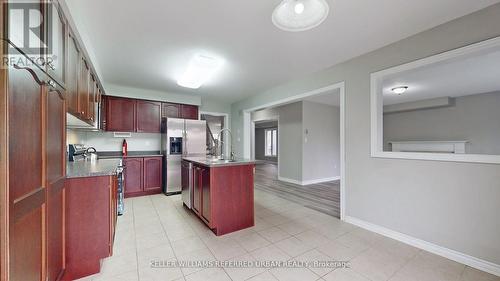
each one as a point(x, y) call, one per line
point(219, 143)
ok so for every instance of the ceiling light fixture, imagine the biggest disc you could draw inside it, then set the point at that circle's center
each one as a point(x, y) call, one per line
point(200, 69)
point(300, 15)
point(399, 90)
point(299, 8)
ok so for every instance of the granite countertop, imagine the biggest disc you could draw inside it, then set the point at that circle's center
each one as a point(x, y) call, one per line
point(208, 162)
point(130, 154)
point(87, 168)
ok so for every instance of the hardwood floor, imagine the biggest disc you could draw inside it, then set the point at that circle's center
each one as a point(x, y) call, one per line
point(324, 197)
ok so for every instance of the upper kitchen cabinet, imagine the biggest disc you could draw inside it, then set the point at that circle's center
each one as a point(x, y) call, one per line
point(120, 114)
point(83, 90)
point(92, 99)
point(171, 110)
point(72, 71)
point(55, 61)
point(189, 111)
point(184, 111)
point(148, 116)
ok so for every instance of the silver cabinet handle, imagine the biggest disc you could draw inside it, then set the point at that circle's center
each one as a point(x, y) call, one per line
point(51, 83)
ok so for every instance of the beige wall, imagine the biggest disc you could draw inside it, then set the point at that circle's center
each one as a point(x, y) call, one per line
point(474, 118)
point(453, 205)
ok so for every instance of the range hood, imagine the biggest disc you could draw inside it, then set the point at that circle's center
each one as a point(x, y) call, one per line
point(74, 123)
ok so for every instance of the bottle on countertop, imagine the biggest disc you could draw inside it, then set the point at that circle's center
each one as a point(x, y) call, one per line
point(124, 147)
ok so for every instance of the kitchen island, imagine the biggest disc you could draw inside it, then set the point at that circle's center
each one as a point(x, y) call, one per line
point(222, 193)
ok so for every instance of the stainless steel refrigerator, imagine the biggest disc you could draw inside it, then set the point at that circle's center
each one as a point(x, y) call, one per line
point(180, 138)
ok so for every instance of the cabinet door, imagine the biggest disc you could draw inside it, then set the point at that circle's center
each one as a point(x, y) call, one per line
point(56, 157)
point(152, 173)
point(133, 175)
point(189, 111)
point(120, 114)
point(72, 68)
point(148, 116)
point(83, 90)
point(196, 190)
point(55, 59)
point(171, 110)
point(92, 99)
point(27, 188)
point(206, 211)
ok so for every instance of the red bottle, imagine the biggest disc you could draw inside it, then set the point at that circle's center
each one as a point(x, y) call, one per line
point(124, 147)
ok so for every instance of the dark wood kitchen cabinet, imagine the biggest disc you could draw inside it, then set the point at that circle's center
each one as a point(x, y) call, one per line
point(72, 72)
point(172, 110)
point(120, 114)
point(189, 111)
point(153, 173)
point(148, 116)
point(92, 98)
point(55, 179)
point(133, 175)
point(27, 204)
point(143, 175)
point(56, 61)
point(83, 89)
point(206, 208)
point(32, 205)
point(223, 196)
point(184, 111)
point(90, 225)
point(201, 193)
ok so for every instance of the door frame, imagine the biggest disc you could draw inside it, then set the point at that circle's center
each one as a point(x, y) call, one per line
point(227, 125)
point(247, 131)
point(274, 118)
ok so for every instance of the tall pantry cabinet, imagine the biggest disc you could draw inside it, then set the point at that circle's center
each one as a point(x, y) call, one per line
point(33, 106)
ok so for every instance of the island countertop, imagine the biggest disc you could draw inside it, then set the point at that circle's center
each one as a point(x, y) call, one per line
point(87, 168)
point(209, 162)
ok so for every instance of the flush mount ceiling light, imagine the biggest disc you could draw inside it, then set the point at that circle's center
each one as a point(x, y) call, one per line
point(200, 69)
point(300, 15)
point(399, 90)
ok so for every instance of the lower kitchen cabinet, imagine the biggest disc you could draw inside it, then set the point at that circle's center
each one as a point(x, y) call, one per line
point(201, 193)
point(143, 175)
point(133, 176)
point(206, 208)
point(223, 196)
point(90, 204)
point(153, 173)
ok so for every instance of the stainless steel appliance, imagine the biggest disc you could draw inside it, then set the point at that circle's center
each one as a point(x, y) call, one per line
point(180, 138)
point(76, 152)
point(187, 183)
point(121, 178)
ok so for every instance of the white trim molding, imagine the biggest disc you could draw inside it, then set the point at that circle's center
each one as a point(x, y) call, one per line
point(377, 123)
point(247, 125)
point(308, 182)
point(468, 260)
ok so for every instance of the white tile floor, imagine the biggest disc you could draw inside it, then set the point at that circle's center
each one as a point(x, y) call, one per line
point(159, 227)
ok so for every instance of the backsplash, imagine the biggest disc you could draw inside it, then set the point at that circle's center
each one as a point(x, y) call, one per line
point(105, 141)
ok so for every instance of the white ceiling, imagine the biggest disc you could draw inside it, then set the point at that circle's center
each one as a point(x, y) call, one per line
point(147, 43)
point(474, 74)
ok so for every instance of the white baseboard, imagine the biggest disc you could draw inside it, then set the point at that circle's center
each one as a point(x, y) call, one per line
point(429, 247)
point(289, 180)
point(309, 182)
point(320, 180)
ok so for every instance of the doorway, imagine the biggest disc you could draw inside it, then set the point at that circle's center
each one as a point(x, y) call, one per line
point(302, 185)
